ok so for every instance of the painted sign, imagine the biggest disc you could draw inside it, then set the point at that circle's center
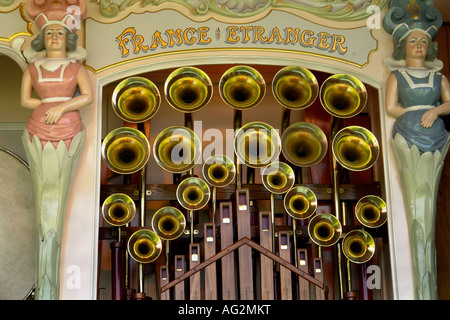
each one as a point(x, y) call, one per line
point(150, 34)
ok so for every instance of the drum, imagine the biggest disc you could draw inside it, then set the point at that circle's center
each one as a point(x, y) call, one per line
point(17, 228)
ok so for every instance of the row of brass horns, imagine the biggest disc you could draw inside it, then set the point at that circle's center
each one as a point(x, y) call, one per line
point(118, 209)
point(257, 144)
point(168, 223)
point(343, 95)
point(193, 193)
point(136, 99)
point(219, 170)
point(177, 149)
point(144, 246)
point(125, 150)
point(355, 148)
point(304, 144)
point(278, 177)
point(300, 202)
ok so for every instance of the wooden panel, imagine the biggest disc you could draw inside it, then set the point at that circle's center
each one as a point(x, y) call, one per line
point(226, 240)
point(210, 271)
point(164, 279)
point(245, 253)
point(194, 280)
point(318, 274)
point(284, 248)
point(179, 271)
point(303, 264)
point(265, 240)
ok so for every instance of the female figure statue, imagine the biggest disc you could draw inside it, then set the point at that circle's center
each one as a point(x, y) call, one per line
point(54, 136)
point(417, 94)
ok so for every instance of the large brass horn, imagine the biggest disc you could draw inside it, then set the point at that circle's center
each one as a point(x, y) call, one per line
point(324, 229)
point(219, 171)
point(188, 89)
point(371, 211)
point(257, 144)
point(118, 209)
point(300, 202)
point(304, 144)
point(242, 87)
point(355, 148)
point(177, 149)
point(193, 193)
point(168, 223)
point(278, 177)
point(358, 246)
point(125, 150)
point(295, 87)
point(343, 95)
point(136, 99)
point(144, 246)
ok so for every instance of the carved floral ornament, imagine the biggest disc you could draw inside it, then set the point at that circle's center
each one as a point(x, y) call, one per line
point(344, 10)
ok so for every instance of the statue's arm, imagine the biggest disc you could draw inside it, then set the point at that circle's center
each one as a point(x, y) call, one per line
point(85, 98)
point(26, 91)
point(431, 115)
point(392, 106)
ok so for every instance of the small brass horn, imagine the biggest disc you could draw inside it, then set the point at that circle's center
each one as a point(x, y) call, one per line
point(168, 223)
point(144, 246)
point(118, 209)
point(193, 193)
point(371, 211)
point(242, 87)
point(278, 177)
point(343, 95)
point(324, 229)
point(304, 144)
point(358, 246)
point(219, 171)
point(136, 99)
point(295, 87)
point(125, 150)
point(300, 202)
point(188, 89)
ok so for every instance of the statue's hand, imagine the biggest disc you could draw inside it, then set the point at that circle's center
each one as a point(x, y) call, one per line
point(54, 114)
point(428, 118)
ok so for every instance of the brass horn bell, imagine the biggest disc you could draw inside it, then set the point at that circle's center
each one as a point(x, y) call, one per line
point(355, 148)
point(136, 99)
point(324, 229)
point(219, 171)
point(193, 193)
point(188, 89)
point(358, 246)
point(371, 211)
point(144, 246)
point(168, 223)
point(343, 95)
point(278, 177)
point(300, 202)
point(242, 87)
point(125, 150)
point(177, 149)
point(304, 144)
point(295, 87)
point(118, 209)
point(257, 144)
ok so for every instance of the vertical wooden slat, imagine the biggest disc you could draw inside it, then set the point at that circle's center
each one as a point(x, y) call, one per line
point(244, 253)
point(265, 240)
point(210, 271)
point(164, 279)
point(194, 280)
point(318, 274)
point(284, 248)
point(179, 270)
point(226, 240)
point(303, 264)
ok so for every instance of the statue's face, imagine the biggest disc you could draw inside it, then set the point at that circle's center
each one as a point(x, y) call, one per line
point(417, 45)
point(55, 38)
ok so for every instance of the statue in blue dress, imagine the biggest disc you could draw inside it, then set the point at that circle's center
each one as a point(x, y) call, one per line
point(417, 95)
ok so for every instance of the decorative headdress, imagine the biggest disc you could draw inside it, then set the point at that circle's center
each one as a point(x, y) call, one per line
point(406, 16)
point(61, 18)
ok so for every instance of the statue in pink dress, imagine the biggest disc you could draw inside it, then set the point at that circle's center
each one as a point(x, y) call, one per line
point(55, 135)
